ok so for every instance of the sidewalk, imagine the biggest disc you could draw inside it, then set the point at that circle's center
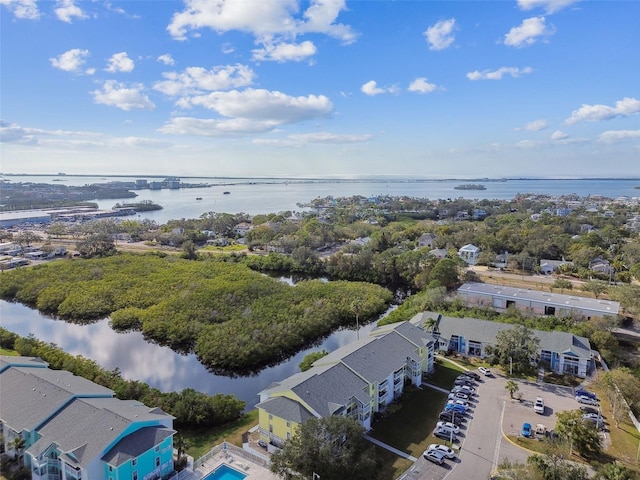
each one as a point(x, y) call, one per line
point(400, 453)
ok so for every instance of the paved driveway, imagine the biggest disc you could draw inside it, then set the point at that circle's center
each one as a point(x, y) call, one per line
point(482, 445)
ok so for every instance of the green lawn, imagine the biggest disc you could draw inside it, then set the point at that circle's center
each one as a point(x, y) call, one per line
point(445, 373)
point(200, 442)
point(4, 351)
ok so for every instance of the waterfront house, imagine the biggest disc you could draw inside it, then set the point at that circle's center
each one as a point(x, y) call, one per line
point(74, 429)
point(535, 302)
point(561, 352)
point(469, 253)
point(357, 380)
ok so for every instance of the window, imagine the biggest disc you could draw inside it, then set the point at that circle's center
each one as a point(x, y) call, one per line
point(270, 417)
point(157, 461)
point(288, 424)
point(134, 462)
point(134, 476)
point(157, 448)
point(270, 428)
point(110, 468)
point(288, 435)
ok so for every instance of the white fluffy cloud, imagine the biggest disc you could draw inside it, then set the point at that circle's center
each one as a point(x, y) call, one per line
point(115, 94)
point(71, 60)
point(371, 88)
point(265, 20)
point(421, 85)
point(66, 10)
point(284, 52)
point(440, 35)
point(559, 135)
point(196, 80)
point(167, 59)
point(498, 74)
point(595, 113)
point(612, 136)
point(550, 6)
point(120, 62)
point(23, 9)
point(527, 33)
point(249, 111)
point(536, 126)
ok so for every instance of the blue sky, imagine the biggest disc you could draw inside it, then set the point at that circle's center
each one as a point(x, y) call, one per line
point(547, 88)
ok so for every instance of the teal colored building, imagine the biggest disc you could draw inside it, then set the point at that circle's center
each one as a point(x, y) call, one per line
point(73, 429)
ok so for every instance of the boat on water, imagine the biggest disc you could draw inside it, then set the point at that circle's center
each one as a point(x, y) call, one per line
point(226, 193)
point(198, 198)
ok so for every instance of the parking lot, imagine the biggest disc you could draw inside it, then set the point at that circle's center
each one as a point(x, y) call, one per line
point(493, 415)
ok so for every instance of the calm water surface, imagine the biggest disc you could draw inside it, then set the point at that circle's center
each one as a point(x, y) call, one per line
point(260, 196)
point(156, 365)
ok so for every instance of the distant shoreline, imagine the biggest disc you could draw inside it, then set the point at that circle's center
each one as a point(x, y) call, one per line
point(378, 179)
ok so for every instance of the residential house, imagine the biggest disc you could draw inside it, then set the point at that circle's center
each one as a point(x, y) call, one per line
point(439, 252)
point(601, 266)
point(242, 228)
point(535, 302)
point(547, 266)
point(74, 429)
point(356, 380)
point(426, 240)
point(469, 253)
point(479, 214)
point(563, 352)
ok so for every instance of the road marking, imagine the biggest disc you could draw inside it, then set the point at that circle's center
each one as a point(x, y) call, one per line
point(496, 452)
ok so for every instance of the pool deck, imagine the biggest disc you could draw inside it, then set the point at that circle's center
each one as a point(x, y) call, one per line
point(252, 470)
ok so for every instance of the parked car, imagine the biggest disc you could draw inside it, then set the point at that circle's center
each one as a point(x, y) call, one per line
point(585, 393)
point(455, 418)
point(455, 407)
point(597, 422)
point(459, 395)
point(464, 389)
point(445, 434)
point(442, 449)
point(586, 409)
point(434, 456)
point(594, 416)
point(466, 382)
point(448, 426)
point(586, 400)
point(538, 406)
point(484, 371)
point(473, 375)
point(526, 430)
point(459, 401)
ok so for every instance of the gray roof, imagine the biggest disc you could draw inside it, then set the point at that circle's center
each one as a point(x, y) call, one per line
point(86, 428)
point(134, 445)
point(29, 396)
point(286, 408)
point(7, 361)
point(485, 331)
point(603, 307)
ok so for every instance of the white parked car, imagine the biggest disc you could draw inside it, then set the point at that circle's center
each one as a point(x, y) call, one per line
point(448, 426)
point(586, 400)
point(538, 406)
point(464, 389)
point(434, 456)
point(458, 395)
point(485, 371)
point(442, 449)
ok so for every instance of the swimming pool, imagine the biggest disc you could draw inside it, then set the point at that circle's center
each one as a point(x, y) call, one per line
point(225, 472)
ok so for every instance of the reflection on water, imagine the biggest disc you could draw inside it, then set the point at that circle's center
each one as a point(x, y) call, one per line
point(156, 365)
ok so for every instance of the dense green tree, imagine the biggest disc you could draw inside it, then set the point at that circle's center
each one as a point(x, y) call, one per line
point(597, 287)
point(614, 471)
point(516, 347)
point(307, 361)
point(96, 245)
point(582, 437)
point(553, 467)
point(445, 273)
point(562, 284)
point(333, 447)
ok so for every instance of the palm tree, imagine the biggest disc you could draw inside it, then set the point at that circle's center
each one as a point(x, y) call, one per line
point(511, 387)
point(17, 444)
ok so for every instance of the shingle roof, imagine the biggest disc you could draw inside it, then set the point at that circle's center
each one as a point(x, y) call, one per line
point(29, 396)
point(7, 361)
point(485, 331)
point(136, 444)
point(86, 427)
point(286, 408)
point(608, 307)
